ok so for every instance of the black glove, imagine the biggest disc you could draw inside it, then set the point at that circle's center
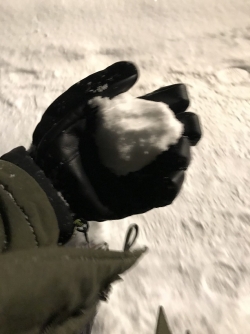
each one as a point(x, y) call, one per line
point(64, 147)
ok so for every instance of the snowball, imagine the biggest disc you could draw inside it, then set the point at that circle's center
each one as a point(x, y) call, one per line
point(132, 132)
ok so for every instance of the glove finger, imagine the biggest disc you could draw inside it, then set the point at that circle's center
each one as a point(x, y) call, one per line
point(192, 128)
point(175, 96)
point(151, 192)
point(118, 78)
point(114, 80)
point(177, 157)
point(169, 189)
point(157, 184)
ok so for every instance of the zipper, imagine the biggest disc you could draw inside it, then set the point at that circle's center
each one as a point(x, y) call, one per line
point(82, 226)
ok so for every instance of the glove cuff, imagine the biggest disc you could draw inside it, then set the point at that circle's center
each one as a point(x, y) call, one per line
point(21, 158)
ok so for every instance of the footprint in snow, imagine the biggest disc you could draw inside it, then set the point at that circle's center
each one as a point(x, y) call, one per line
point(221, 279)
point(233, 82)
point(233, 76)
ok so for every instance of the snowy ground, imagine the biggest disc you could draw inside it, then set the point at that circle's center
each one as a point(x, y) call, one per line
point(198, 264)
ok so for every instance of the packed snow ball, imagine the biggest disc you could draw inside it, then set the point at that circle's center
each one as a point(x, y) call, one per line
point(132, 132)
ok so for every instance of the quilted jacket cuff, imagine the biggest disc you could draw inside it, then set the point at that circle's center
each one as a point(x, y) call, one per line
point(20, 157)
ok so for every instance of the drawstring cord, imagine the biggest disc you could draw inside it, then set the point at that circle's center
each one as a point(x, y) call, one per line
point(129, 241)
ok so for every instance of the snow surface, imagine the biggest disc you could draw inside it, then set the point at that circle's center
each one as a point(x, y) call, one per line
point(132, 132)
point(198, 264)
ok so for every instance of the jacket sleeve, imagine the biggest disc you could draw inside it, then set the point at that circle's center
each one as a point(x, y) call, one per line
point(20, 158)
point(55, 290)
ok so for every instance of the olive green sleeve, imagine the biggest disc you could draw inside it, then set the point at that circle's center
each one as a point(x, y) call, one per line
point(27, 219)
point(55, 287)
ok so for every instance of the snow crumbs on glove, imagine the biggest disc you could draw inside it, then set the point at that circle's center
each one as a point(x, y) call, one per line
point(132, 132)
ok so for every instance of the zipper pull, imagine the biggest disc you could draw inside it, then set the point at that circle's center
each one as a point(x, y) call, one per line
point(82, 226)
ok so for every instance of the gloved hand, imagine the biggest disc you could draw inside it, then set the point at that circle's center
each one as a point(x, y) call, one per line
point(64, 147)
